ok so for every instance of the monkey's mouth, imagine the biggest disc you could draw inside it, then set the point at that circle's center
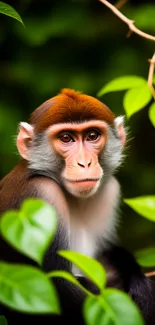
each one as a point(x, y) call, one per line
point(85, 182)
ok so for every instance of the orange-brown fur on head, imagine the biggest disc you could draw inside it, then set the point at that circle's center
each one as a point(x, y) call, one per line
point(70, 106)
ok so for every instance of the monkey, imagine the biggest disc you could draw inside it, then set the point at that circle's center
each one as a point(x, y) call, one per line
point(70, 150)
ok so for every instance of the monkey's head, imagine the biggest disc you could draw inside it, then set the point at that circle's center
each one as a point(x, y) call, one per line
point(74, 139)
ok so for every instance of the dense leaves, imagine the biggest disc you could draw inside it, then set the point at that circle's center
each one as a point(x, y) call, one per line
point(31, 228)
point(27, 289)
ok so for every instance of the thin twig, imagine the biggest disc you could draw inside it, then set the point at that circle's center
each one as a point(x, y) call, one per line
point(149, 274)
point(120, 3)
point(129, 22)
point(151, 74)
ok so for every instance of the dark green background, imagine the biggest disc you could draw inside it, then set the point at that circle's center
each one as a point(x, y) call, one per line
point(79, 44)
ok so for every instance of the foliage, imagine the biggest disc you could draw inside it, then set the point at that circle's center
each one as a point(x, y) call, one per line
point(29, 289)
point(32, 227)
point(68, 54)
point(137, 96)
point(7, 10)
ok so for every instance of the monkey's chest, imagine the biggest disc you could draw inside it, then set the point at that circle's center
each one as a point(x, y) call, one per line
point(83, 242)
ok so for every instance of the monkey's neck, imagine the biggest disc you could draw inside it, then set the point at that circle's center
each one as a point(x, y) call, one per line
point(94, 220)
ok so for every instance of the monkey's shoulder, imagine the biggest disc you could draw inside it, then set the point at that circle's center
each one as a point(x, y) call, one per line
point(17, 186)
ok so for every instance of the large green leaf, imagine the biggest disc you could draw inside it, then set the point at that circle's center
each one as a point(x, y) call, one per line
point(146, 257)
point(27, 289)
point(124, 309)
point(7, 10)
point(144, 205)
point(31, 229)
point(135, 99)
point(92, 268)
point(152, 114)
point(122, 83)
point(94, 313)
point(113, 308)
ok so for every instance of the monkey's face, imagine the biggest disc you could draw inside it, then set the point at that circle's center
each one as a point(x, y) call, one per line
point(79, 145)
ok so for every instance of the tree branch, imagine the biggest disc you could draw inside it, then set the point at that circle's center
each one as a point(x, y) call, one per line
point(149, 274)
point(120, 3)
point(129, 22)
point(150, 75)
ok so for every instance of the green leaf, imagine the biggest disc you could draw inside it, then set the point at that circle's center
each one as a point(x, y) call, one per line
point(135, 99)
point(122, 83)
point(69, 277)
point(31, 229)
point(3, 320)
point(143, 205)
point(146, 257)
point(123, 308)
point(92, 268)
point(152, 114)
point(7, 10)
point(94, 313)
point(27, 289)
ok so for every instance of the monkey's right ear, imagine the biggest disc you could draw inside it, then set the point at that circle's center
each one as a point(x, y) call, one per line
point(24, 139)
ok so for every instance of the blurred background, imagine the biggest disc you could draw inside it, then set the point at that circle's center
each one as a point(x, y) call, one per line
point(79, 44)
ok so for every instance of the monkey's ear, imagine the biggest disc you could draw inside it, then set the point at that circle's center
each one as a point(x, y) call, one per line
point(119, 125)
point(24, 139)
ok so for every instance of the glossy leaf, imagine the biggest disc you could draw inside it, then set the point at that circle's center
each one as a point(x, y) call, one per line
point(146, 257)
point(90, 267)
point(152, 114)
point(3, 320)
point(31, 229)
point(8, 10)
point(94, 313)
point(69, 277)
point(27, 289)
point(122, 83)
point(135, 99)
point(144, 205)
point(123, 308)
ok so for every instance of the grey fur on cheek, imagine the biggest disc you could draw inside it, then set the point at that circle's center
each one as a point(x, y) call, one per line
point(43, 158)
point(111, 157)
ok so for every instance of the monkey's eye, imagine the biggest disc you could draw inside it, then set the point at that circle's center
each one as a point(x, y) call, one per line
point(65, 137)
point(93, 135)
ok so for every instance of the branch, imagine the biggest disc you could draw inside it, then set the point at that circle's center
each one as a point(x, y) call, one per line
point(129, 22)
point(149, 274)
point(150, 75)
point(120, 3)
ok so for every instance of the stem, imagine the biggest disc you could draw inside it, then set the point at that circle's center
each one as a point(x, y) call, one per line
point(129, 22)
point(151, 74)
point(120, 3)
point(149, 274)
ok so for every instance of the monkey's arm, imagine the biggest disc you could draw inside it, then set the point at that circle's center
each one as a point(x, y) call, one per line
point(133, 281)
point(13, 191)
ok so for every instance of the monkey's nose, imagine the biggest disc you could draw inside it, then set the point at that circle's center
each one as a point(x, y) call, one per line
point(84, 165)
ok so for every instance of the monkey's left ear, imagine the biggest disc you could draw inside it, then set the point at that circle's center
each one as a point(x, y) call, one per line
point(24, 139)
point(119, 125)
